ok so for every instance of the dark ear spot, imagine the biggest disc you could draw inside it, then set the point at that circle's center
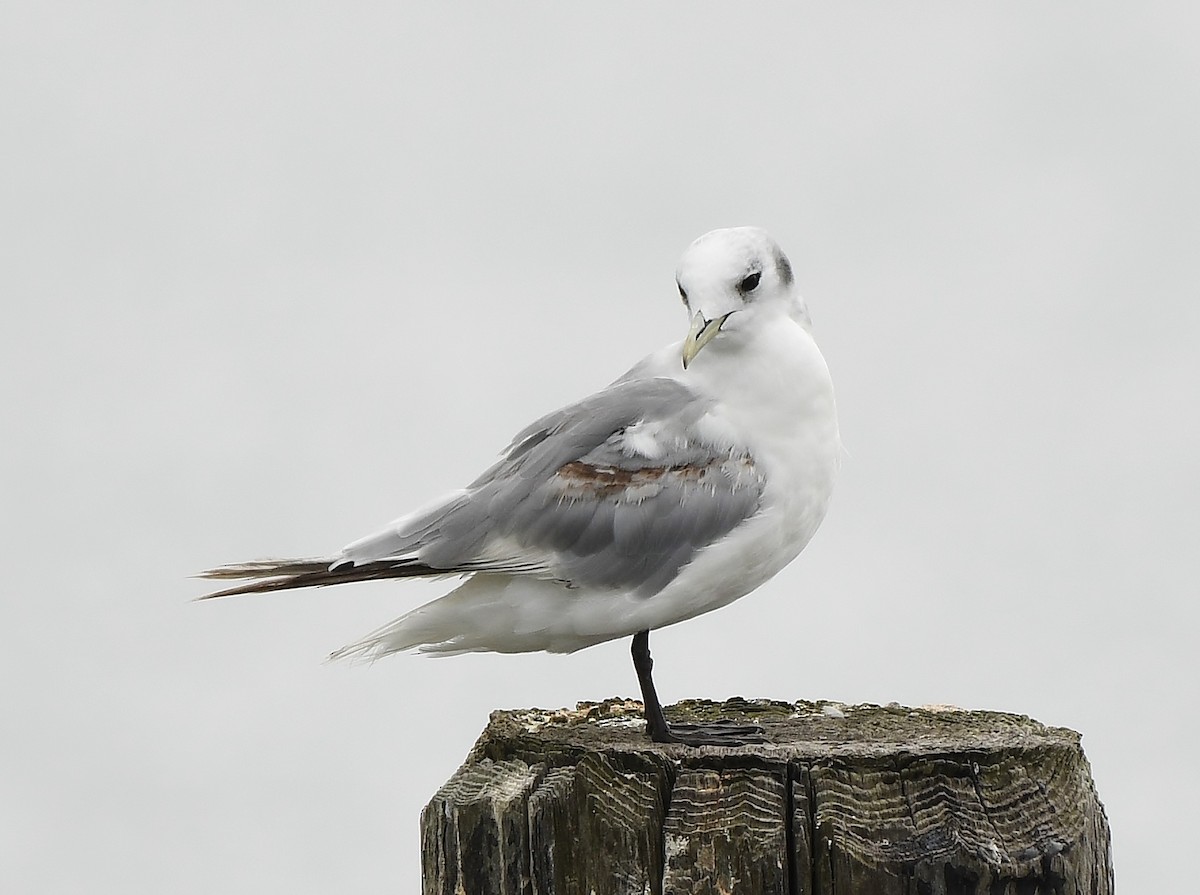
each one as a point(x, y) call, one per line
point(783, 268)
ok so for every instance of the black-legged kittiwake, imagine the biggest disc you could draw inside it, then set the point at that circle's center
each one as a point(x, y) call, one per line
point(684, 485)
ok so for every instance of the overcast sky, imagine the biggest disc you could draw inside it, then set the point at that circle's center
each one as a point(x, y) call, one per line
point(274, 274)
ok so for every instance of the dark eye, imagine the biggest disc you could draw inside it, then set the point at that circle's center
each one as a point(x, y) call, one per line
point(682, 293)
point(750, 283)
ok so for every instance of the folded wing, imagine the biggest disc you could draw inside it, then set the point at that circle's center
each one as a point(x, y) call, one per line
point(616, 491)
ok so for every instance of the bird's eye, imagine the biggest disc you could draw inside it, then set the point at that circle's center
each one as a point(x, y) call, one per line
point(682, 293)
point(750, 283)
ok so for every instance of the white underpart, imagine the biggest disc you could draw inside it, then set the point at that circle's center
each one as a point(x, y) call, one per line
point(773, 400)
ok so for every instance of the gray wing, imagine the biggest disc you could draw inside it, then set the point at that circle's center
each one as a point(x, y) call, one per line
point(618, 490)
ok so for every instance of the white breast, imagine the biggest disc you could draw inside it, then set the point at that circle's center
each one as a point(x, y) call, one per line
point(775, 397)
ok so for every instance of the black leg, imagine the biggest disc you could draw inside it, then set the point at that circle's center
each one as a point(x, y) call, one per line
point(718, 733)
point(656, 723)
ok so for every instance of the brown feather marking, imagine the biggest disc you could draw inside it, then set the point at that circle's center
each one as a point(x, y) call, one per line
point(605, 481)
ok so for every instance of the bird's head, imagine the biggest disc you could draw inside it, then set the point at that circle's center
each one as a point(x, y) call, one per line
point(727, 278)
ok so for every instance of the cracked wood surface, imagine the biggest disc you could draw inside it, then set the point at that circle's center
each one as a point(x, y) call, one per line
point(843, 799)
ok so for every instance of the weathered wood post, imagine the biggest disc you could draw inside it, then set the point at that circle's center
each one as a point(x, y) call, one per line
point(844, 799)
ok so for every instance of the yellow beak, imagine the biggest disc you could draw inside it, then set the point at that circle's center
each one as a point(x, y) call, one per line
point(702, 332)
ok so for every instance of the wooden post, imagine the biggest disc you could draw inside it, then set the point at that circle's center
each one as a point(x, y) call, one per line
point(844, 799)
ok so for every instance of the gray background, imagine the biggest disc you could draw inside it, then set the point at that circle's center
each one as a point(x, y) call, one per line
point(273, 274)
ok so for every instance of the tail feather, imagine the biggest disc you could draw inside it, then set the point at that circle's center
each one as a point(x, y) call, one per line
point(267, 568)
point(290, 574)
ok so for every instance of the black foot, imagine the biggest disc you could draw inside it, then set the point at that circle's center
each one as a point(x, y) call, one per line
point(715, 733)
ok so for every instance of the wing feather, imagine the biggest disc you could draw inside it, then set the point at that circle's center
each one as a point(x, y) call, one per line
point(616, 491)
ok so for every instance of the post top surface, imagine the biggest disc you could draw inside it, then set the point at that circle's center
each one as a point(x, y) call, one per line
point(799, 730)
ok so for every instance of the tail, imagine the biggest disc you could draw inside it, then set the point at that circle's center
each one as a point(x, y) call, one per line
point(289, 574)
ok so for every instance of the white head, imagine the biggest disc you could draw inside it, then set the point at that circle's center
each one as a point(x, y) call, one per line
point(729, 279)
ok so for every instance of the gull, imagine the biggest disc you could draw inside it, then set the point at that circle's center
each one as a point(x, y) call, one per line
point(682, 486)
